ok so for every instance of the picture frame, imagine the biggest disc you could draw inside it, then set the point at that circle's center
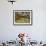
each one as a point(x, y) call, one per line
point(22, 17)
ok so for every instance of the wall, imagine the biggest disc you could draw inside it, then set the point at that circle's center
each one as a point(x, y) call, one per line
point(38, 30)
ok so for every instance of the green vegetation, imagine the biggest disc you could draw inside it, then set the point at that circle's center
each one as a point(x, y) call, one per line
point(19, 18)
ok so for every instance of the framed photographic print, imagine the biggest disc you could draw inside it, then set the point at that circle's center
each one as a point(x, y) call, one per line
point(22, 17)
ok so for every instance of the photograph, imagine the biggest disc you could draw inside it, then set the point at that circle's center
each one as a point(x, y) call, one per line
point(22, 16)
